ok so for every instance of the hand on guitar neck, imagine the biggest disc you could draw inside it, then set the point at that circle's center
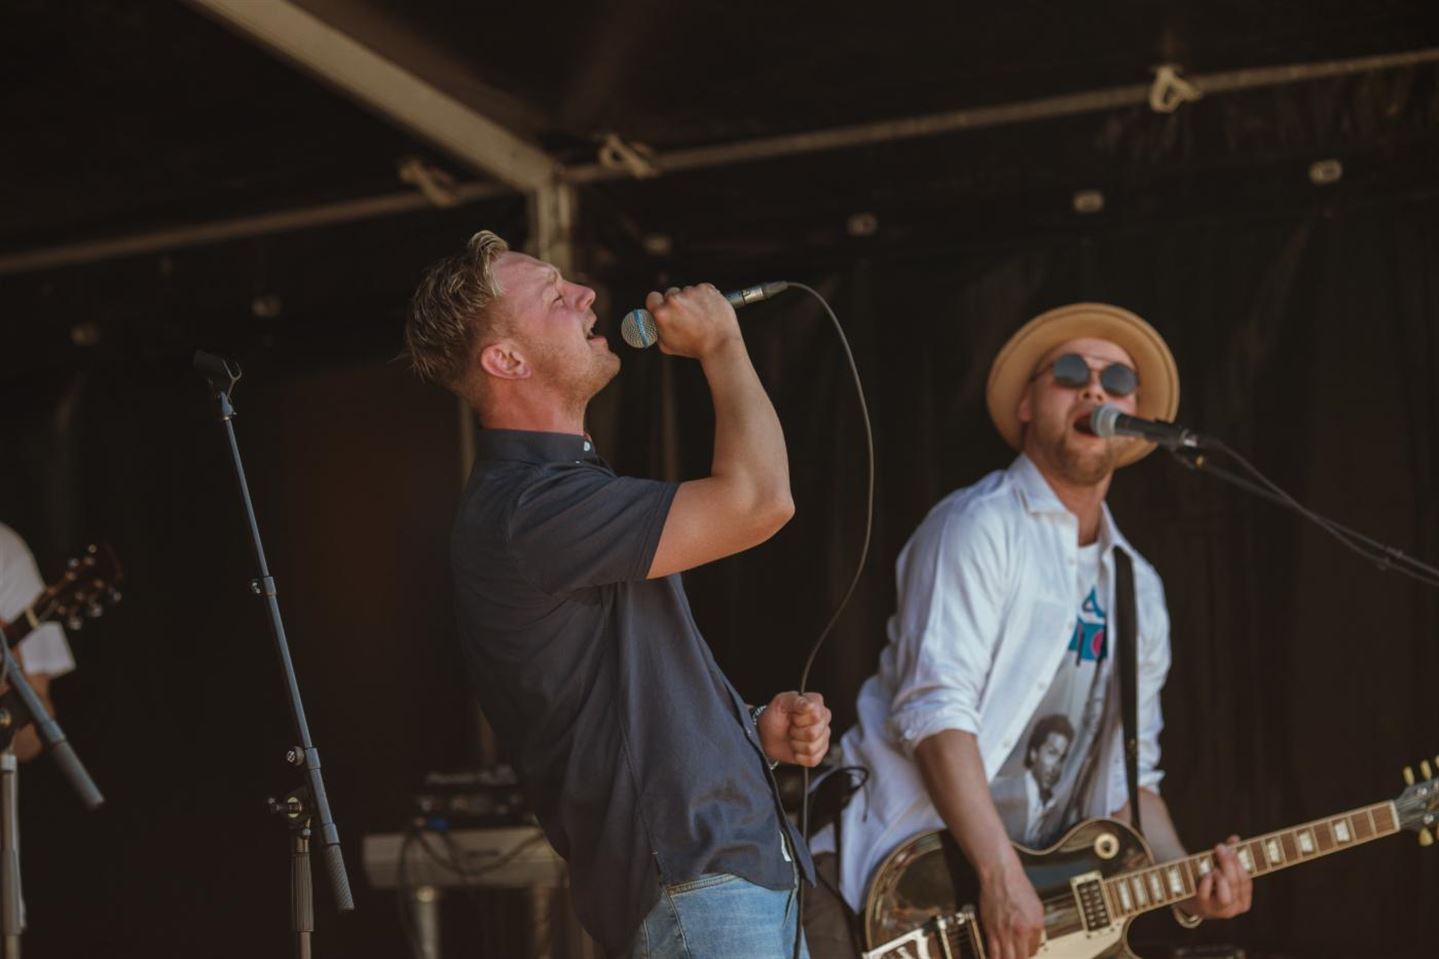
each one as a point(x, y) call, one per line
point(1224, 893)
point(1011, 914)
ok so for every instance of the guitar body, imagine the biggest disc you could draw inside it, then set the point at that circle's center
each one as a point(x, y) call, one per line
point(928, 877)
point(921, 902)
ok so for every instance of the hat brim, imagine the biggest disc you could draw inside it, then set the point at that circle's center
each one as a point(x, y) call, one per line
point(1158, 397)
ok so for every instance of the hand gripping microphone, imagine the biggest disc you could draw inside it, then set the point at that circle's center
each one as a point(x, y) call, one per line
point(639, 330)
point(1107, 420)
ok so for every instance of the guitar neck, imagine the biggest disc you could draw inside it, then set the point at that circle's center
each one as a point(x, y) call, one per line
point(1142, 890)
point(23, 626)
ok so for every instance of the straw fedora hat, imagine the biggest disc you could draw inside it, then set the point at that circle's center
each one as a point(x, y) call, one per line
point(1158, 397)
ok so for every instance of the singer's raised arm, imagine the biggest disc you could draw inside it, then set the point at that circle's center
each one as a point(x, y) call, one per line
point(746, 498)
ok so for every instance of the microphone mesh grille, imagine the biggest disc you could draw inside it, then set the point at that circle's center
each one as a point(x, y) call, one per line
point(638, 329)
point(1103, 420)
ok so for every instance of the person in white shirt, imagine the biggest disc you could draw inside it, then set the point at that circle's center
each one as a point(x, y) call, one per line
point(1004, 593)
point(44, 654)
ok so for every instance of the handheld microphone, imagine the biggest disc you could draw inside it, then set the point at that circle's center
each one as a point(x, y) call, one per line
point(639, 330)
point(1107, 420)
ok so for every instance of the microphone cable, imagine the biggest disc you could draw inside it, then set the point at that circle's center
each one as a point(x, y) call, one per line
point(644, 335)
point(848, 593)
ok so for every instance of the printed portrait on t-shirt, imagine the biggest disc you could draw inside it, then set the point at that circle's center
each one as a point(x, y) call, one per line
point(1047, 782)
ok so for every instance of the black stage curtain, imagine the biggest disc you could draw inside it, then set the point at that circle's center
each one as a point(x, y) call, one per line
point(1301, 675)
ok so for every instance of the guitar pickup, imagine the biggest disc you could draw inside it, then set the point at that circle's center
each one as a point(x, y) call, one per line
point(1088, 890)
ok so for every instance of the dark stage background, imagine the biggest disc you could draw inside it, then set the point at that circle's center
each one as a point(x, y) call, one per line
point(1307, 334)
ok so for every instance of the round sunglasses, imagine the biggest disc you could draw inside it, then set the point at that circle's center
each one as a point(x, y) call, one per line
point(1072, 371)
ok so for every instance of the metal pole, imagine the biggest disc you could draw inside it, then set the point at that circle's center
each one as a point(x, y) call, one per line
point(13, 918)
point(218, 231)
point(425, 911)
point(1004, 114)
point(705, 157)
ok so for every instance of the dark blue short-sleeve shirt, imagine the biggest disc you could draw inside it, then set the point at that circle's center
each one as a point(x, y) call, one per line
point(638, 755)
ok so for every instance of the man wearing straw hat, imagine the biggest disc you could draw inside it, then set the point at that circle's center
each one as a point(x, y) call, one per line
point(998, 663)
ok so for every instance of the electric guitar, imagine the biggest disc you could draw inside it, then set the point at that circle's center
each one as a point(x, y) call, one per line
point(89, 584)
point(1096, 879)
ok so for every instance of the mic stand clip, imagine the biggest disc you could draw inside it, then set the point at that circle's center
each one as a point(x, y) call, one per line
point(296, 808)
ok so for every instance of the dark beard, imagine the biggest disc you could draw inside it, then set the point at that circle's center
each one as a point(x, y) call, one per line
point(1084, 467)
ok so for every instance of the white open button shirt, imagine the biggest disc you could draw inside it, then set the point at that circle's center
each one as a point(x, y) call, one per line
point(987, 606)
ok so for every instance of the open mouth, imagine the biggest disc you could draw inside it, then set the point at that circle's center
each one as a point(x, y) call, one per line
point(590, 333)
point(1082, 424)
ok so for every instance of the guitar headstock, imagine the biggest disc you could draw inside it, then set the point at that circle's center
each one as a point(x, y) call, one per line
point(1418, 805)
point(89, 584)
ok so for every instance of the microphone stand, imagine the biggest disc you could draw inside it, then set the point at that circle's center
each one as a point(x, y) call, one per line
point(1383, 556)
point(18, 707)
point(307, 801)
point(11, 918)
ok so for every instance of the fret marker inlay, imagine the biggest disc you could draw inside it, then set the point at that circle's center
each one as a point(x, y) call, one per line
point(1306, 841)
point(1341, 830)
point(1246, 859)
point(1272, 851)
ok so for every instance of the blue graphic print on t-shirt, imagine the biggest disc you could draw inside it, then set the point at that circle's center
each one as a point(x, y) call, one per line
point(1090, 640)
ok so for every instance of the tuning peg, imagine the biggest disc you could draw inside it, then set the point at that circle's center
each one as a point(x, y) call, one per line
point(1408, 775)
point(1426, 838)
point(1425, 768)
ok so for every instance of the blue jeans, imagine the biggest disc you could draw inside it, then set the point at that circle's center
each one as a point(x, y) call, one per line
point(719, 916)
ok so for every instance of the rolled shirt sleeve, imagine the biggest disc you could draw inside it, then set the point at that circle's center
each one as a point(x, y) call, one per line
point(947, 624)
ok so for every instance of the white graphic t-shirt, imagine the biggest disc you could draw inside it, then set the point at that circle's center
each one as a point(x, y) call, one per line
point(1042, 788)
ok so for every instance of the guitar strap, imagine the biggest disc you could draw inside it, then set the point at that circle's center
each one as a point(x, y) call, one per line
point(1126, 645)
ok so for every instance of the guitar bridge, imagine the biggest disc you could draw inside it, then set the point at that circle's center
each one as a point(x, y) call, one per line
point(1088, 892)
point(943, 937)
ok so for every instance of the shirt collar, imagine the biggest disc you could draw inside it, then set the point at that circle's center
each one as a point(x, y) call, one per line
point(1038, 497)
point(529, 446)
point(1035, 491)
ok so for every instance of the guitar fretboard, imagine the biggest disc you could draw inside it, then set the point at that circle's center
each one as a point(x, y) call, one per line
point(1163, 885)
